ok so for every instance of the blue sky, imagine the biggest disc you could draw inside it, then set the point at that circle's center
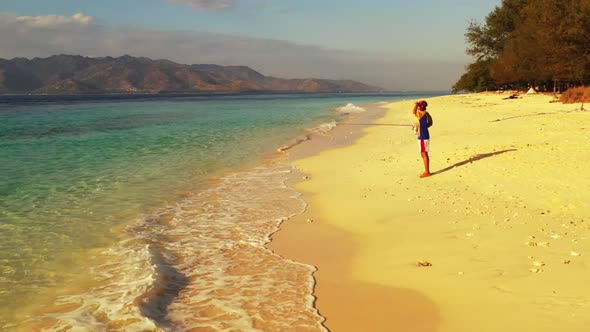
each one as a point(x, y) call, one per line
point(399, 45)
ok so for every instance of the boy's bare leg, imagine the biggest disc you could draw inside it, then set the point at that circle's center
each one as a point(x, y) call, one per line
point(426, 160)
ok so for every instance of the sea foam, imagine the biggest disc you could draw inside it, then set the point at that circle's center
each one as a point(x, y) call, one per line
point(350, 108)
point(203, 264)
point(323, 128)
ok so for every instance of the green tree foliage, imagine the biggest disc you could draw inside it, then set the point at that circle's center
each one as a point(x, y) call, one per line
point(487, 41)
point(477, 78)
point(529, 42)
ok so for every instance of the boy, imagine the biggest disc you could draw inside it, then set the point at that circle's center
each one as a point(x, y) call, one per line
point(421, 128)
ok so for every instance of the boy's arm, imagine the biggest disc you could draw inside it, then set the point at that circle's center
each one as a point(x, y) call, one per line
point(415, 108)
point(416, 126)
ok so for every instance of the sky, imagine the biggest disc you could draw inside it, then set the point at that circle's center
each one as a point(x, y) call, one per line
point(397, 45)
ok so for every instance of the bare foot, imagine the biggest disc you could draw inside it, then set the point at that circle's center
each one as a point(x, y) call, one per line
point(424, 175)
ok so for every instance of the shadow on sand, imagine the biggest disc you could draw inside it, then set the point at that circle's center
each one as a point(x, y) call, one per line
point(472, 159)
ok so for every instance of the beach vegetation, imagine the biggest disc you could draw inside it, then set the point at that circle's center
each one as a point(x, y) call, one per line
point(477, 78)
point(576, 95)
point(543, 44)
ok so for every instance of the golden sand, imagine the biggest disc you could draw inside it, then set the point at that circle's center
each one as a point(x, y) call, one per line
point(497, 239)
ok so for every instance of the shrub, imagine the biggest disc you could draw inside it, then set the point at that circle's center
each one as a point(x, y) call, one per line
point(576, 95)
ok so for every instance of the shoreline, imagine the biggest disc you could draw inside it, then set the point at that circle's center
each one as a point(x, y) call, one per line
point(123, 96)
point(301, 238)
point(282, 202)
point(139, 244)
point(504, 221)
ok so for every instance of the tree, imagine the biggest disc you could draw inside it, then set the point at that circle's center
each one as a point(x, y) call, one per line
point(525, 41)
point(486, 42)
point(546, 44)
point(477, 78)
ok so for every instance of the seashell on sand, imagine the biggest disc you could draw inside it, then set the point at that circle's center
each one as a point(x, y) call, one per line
point(423, 264)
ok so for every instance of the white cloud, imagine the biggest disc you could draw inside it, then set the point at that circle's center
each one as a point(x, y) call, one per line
point(207, 4)
point(49, 21)
point(43, 36)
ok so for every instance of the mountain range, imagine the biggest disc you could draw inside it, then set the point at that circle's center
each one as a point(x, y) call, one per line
point(75, 74)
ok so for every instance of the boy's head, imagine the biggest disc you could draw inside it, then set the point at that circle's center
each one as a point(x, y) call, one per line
point(422, 104)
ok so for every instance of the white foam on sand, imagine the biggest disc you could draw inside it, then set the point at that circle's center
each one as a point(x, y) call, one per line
point(323, 128)
point(350, 108)
point(203, 264)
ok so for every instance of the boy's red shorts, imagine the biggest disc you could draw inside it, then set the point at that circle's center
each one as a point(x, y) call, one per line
point(423, 144)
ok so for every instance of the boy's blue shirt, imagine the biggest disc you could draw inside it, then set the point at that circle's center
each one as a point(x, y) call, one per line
point(423, 124)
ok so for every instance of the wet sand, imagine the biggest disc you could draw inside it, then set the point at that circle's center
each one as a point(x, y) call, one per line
point(502, 227)
point(309, 239)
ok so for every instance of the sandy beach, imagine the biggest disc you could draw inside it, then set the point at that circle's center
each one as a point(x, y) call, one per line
point(501, 229)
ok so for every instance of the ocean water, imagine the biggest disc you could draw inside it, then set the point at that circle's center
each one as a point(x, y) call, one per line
point(152, 213)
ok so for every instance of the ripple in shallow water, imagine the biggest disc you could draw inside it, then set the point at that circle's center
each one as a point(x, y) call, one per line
point(203, 264)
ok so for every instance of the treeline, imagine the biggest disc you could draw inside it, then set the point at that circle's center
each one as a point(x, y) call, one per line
point(539, 43)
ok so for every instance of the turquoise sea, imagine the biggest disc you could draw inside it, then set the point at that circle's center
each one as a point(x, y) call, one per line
point(144, 213)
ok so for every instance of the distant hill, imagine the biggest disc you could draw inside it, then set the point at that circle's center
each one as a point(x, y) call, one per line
point(74, 74)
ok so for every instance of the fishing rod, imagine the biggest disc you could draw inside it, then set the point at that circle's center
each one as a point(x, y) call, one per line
point(376, 124)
